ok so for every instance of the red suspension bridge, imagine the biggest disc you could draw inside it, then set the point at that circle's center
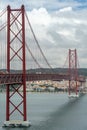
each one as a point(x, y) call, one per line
point(16, 58)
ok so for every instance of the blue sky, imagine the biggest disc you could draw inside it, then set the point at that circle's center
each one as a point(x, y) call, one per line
point(48, 4)
point(59, 25)
point(82, 1)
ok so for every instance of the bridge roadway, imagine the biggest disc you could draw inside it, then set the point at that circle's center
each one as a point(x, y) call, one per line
point(18, 78)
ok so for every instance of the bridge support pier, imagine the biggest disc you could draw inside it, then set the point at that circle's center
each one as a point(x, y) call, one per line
point(16, 123)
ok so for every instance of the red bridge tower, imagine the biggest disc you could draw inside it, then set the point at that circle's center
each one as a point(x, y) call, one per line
point(16, 49)
point(73, 74)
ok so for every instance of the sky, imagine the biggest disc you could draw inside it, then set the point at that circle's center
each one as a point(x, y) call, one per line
point(59, 25)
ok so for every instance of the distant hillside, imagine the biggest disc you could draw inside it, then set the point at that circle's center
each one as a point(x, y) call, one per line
point(81, 71)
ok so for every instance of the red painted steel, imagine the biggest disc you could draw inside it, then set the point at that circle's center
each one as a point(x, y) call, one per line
point(8, 63)
point(13, 18)
point(73, 74)
point(18, 78)
point(24, 64)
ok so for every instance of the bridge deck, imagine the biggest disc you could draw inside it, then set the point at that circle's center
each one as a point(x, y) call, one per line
point(17, 78)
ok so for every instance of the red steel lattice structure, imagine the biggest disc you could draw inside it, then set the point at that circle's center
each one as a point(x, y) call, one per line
point(73, 74)
point(14, 17)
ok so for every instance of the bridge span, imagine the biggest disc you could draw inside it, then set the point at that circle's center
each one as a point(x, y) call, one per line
point(17, 78)
point(16, 51)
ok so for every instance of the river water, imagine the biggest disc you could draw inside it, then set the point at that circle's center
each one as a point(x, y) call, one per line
point(51, 111)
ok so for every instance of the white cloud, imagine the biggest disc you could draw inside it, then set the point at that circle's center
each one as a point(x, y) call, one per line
point(61, 30)
point(40, 16)
point(58, 29)
point(66, 9)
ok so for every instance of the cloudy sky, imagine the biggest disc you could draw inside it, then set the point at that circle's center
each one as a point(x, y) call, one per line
point(59, 25)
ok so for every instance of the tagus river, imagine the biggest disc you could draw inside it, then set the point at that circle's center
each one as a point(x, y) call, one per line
point(51, 111)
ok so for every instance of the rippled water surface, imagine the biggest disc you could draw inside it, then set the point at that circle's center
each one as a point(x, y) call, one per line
point(51, 111)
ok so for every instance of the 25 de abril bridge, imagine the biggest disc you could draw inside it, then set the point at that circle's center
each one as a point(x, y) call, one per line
point(16, 54)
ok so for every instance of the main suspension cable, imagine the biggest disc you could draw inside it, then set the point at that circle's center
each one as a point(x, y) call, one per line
point(29, 49)
point(37, 41)
point(2, 12)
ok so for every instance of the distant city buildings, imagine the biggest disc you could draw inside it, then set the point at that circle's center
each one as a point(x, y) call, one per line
point(47, 86)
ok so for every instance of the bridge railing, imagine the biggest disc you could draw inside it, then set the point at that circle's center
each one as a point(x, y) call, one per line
point(10, 78)
point(18, 78)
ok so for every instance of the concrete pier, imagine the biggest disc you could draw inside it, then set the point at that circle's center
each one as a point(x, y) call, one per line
point(16, 123)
